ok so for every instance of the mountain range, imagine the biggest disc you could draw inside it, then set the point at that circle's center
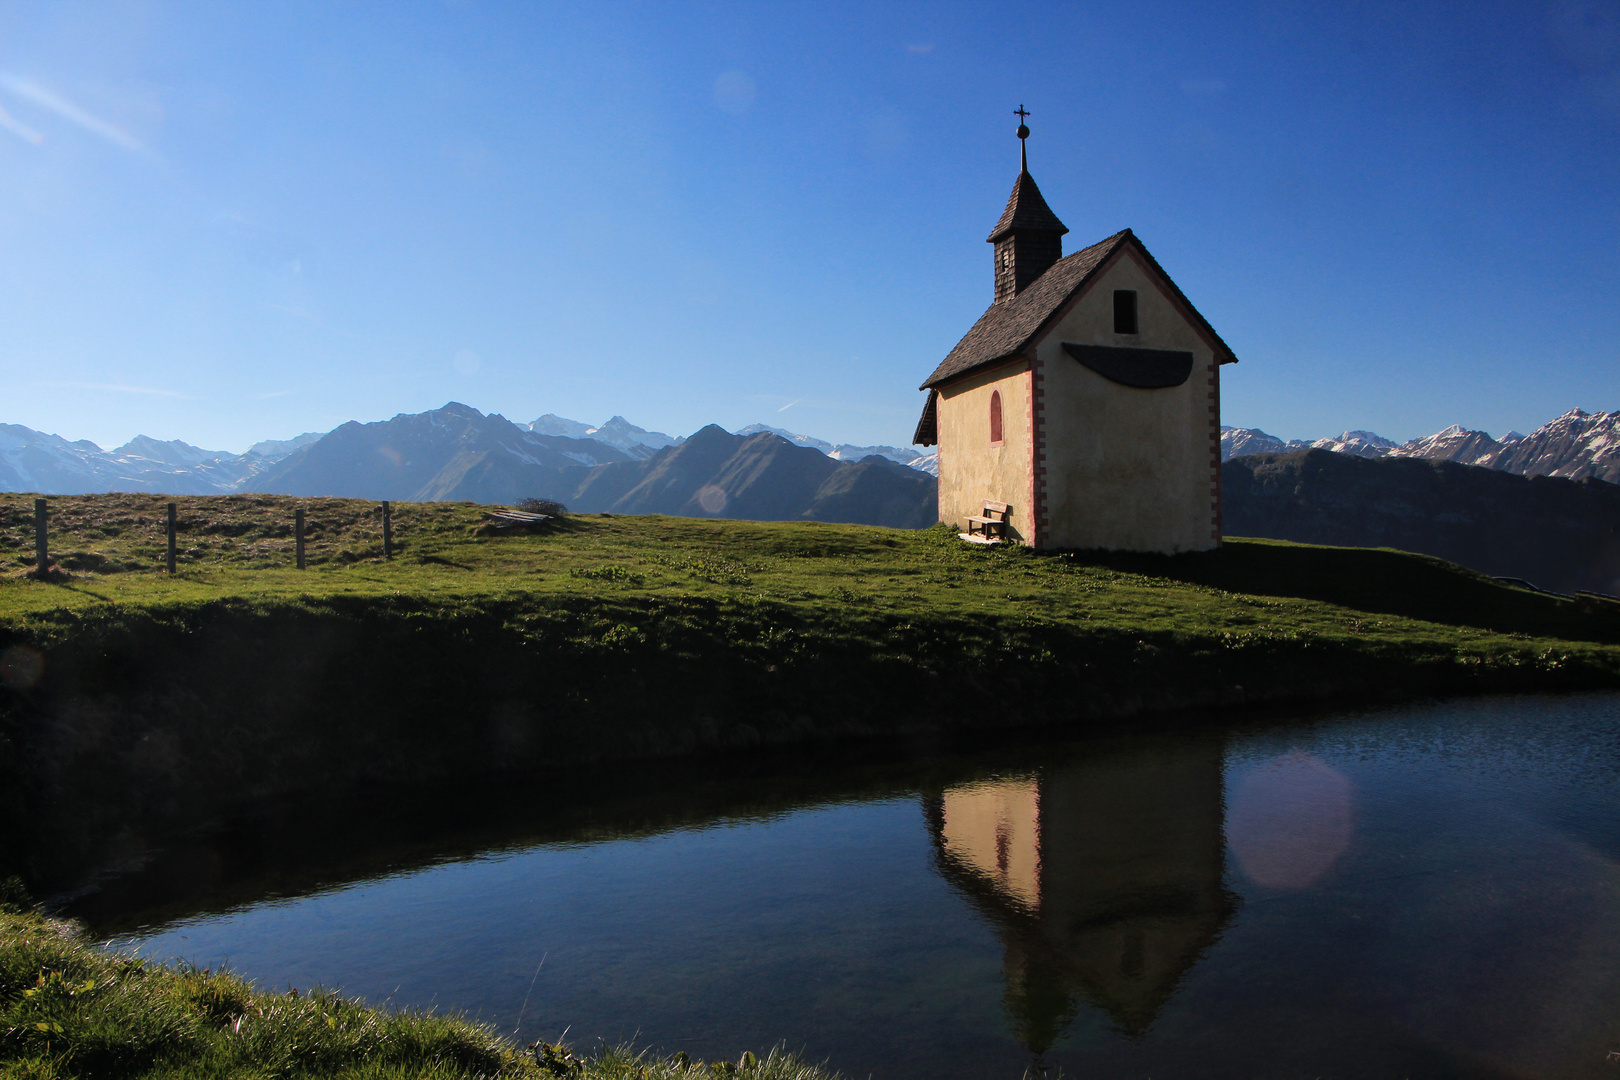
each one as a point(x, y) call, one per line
point(51, 465)
point(1452, 494)
point(1575, 446)
point(458, 452)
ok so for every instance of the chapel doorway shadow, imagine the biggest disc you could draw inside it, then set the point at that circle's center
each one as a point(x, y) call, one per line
point(1102, 875)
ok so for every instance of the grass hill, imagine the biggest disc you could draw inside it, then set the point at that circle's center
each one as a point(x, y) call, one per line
point(133, 703)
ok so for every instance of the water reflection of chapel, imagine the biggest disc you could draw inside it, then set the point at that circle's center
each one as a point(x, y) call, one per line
point(1104, 879)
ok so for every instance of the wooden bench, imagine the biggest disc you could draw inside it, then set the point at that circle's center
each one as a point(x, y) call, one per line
point(991, 527)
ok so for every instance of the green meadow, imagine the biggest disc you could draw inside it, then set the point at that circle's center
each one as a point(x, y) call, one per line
point(240, 550)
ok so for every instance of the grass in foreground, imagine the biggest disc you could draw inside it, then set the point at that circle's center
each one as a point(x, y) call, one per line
point(70, 1009)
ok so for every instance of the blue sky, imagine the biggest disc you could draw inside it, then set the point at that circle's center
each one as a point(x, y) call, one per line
point(226, 222)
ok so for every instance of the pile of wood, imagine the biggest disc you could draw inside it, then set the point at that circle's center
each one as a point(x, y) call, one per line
point(514, 519)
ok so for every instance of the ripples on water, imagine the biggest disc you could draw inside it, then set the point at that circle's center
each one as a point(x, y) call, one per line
point(1426, 891)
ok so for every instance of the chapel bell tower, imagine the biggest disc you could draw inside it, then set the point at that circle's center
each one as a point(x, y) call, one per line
point(1029, 237)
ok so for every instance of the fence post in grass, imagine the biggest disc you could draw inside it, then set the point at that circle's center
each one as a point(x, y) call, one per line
point(42, 555)
point(298, 531)
point(388, 532)
point(173, 529)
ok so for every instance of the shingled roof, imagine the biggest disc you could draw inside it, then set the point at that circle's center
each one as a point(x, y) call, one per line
point(1006, 329)
point(1026, 211)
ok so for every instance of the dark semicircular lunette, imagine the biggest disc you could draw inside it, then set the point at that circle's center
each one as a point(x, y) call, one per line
point(1147, 369)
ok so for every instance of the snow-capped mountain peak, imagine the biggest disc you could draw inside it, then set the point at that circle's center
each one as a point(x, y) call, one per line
point(1577, 444)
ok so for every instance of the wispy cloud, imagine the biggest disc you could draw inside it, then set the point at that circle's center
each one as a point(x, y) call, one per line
point(20, 129)
point(61, 106)
point(271, 394)
point(921, 49)
point(118, 388)
point(789, 405)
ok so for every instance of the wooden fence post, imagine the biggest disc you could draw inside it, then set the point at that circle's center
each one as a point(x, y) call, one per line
point(42, 555)
point(388, 532)
point(298, 530)
point(173, 528)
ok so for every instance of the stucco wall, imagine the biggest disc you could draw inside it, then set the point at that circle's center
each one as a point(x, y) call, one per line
point(970, 469)
point(1126, 468)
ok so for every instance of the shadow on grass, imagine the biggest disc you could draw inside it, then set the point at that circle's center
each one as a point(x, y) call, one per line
point(551, 526)
point(104, 598)
point(440, 560)
point(1374, 580)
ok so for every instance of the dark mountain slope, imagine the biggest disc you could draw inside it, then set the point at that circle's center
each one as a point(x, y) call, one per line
point(766, 478)
point(1560, 534)
point(674, 475)
point(762, 477)
point(877, 491)
point(451, 453)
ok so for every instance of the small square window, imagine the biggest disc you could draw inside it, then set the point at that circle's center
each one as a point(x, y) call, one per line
point(1124, 311)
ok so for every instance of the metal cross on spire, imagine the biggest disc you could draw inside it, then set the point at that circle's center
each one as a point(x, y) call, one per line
point(1023, 133)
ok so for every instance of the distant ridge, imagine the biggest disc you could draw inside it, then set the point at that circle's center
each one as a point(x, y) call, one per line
point(1575, 446)
point(618, 433)
point(761, 476)
point(1561, 534)
point(457, 452)
point(35, 461)
point(904, 455)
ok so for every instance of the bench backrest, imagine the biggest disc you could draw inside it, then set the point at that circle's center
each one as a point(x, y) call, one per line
point(996, 508)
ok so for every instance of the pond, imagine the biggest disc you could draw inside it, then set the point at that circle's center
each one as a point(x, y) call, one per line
point(1427, 891)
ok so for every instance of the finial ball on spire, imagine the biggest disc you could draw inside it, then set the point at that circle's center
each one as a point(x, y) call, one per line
point(1023, 132)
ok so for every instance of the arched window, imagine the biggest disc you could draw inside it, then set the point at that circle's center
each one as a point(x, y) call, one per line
point(995, 418)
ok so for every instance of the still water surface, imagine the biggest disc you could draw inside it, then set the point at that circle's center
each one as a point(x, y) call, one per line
point(1425, 891)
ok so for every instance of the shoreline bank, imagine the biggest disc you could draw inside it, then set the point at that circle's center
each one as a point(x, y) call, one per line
point(71, 1008)
point(150, 705)
point(173, 718)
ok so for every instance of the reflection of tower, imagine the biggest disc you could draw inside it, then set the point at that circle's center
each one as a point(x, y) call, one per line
point(1103, 877)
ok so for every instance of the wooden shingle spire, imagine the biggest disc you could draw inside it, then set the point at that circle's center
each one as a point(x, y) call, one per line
point(1029, 237)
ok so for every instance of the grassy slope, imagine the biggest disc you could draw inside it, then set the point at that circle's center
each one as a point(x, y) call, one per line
point(69, 1009)
point(239, 548)
point(163, 702)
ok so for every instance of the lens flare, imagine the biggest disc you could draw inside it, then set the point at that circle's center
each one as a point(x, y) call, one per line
point(1289, 821)
point(21, 667)
point(712, 499)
